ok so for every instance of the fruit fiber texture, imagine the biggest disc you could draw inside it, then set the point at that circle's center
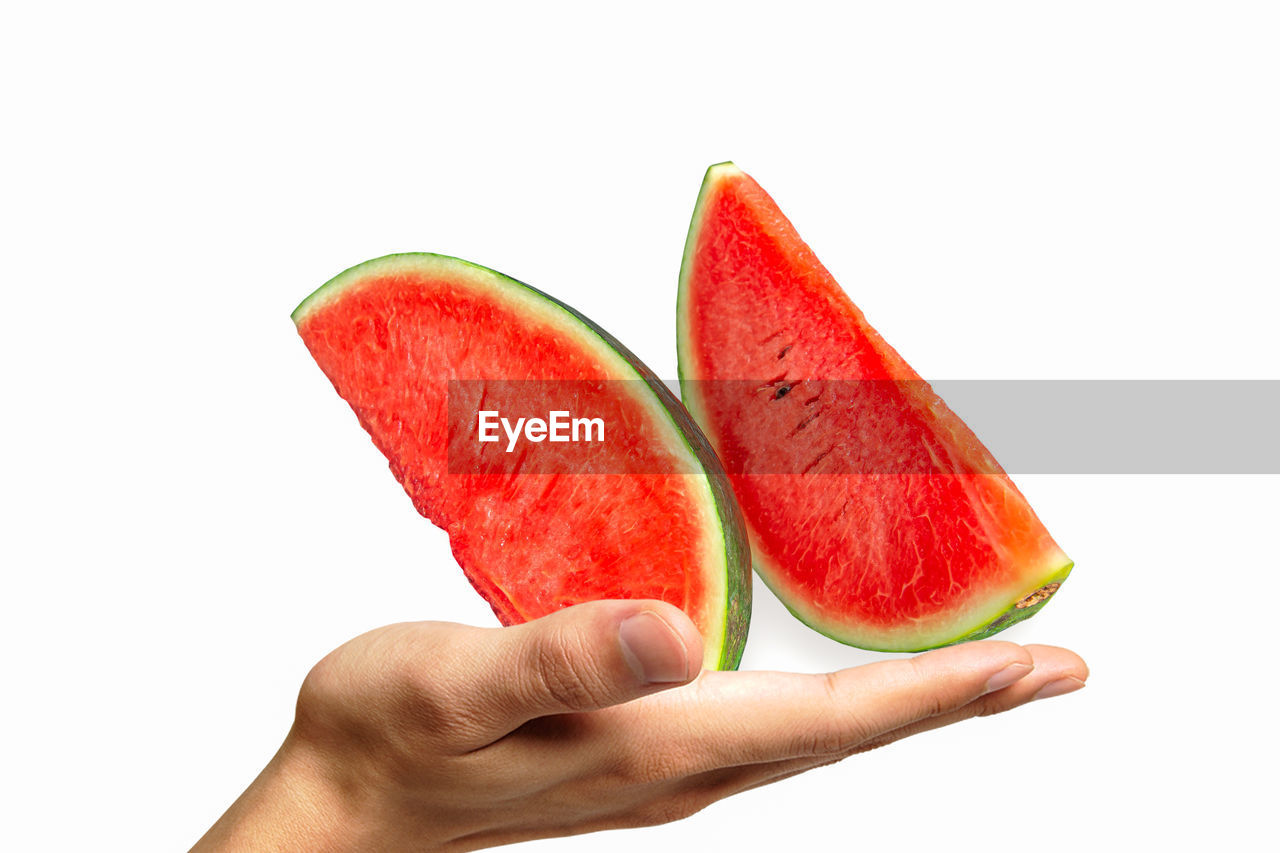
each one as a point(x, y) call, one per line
point(417, 344)
point(874, 513)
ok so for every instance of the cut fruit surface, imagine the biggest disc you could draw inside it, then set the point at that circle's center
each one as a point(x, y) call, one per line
point(874, 513)
point(420, 344)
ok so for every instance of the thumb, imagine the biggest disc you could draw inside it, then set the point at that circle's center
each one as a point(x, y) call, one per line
point(586, 657)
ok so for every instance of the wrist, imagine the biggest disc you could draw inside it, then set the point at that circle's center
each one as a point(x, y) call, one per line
point(300, 801)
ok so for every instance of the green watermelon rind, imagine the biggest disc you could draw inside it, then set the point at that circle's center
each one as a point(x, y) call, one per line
point(736, 552)
point(1014, 615)
point(985, 626)
point(683, 357)
point(997, 616)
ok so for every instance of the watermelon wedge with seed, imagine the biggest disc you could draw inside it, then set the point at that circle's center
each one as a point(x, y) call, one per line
point(420, 344)
point(874, 513)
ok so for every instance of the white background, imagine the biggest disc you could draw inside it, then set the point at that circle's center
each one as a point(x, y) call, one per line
point(192, 517)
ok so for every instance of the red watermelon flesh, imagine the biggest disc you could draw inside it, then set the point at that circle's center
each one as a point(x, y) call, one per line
point(874, 513)
point(410, 341)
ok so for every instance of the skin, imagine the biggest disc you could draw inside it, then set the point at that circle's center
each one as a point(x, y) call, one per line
point(437, 736)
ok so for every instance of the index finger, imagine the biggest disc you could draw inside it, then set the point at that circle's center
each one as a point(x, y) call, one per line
point(731, 718)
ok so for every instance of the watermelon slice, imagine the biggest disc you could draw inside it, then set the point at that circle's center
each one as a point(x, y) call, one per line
point(420, 344)
point(874, 513)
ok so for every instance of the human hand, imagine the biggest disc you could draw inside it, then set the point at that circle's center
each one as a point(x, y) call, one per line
point(437, 736)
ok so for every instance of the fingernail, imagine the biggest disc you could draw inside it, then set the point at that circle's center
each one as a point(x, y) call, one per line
point(653, 649)
point(1059, 687)
point(1007, 676)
